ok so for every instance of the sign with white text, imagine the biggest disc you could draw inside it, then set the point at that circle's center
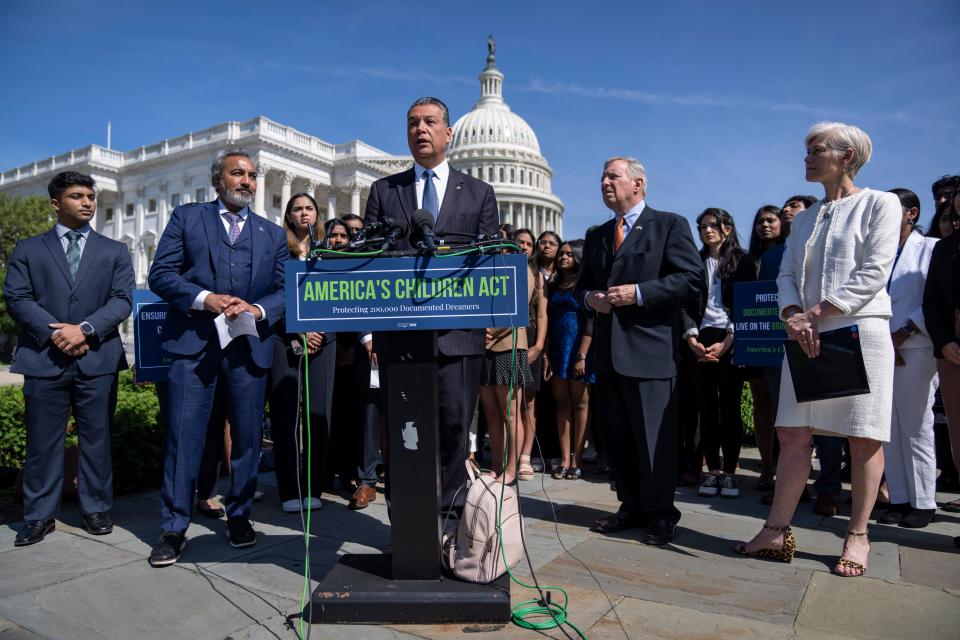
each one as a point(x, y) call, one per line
point(407, 293)
point(758, 331)
point(149, 313)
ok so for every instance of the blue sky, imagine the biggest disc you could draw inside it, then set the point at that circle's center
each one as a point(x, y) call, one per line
point(714, 98)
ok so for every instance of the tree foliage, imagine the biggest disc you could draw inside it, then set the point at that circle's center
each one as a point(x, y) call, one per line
point(20, 217)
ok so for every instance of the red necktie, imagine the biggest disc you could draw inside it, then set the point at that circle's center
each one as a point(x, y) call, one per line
point(618, 234)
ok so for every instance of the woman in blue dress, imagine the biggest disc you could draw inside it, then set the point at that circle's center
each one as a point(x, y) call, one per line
point(569, 361)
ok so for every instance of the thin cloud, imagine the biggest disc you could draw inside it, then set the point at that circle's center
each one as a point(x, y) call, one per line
point(539, 85)
point(380, 73)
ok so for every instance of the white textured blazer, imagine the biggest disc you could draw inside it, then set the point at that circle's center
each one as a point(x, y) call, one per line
point(862, 241)
point(906, 289)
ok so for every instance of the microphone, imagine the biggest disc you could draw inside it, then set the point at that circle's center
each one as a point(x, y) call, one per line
point(395, 230)
point(422, 221)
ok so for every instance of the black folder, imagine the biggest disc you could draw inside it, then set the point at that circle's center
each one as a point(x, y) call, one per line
point(836, 373)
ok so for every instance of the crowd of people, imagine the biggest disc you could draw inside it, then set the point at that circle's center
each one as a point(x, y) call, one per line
point(630, 347)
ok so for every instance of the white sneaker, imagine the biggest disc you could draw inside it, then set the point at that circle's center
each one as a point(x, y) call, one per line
point(729, 487)
point(312, 503)
point(710, 486)
point(291, 506)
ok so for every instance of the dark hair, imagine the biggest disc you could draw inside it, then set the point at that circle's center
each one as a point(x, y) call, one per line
point(537, 254)
point(945, 208)
point(944, 181)
point(60, 182)
point(756, 243)
point(576, 248)
point(908, 200)
point(806, 200)
point(444, 112)
point(730, 250)
point(347, 217)
point(292, 243)
point(533, 238)
point(507, 231)
point(328, 229)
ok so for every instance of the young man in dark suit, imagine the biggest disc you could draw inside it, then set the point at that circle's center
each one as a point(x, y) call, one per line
point(216, 258)
point(637, 270)
point(463, 207)
point(69, 289)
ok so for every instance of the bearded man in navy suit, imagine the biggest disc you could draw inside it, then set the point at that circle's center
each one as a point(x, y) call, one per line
point(216, 258)
point(68, 289)
point(463, 208)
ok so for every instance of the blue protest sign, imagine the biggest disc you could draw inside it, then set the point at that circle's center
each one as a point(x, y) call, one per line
point(149, 314)
point(389, 294)
point(758, 331)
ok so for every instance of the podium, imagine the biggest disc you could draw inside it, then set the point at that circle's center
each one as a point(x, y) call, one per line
point(407, 299)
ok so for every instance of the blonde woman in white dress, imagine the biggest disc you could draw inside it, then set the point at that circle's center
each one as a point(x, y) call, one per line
point(834, 274)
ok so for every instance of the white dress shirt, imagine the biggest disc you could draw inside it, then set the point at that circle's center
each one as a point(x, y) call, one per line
point(630, 219)
point(440, 180)
point(243, 213)
point(62, 231)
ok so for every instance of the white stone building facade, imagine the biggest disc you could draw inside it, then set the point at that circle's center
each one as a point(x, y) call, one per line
point(138, 189)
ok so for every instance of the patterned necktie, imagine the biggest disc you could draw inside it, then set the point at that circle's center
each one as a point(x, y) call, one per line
point(618, 234)
point(234, 219)
point(73, 252)
point(430, 201)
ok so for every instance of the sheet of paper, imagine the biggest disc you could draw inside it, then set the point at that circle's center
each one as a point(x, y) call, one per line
point(243, 325)
point(374, 378)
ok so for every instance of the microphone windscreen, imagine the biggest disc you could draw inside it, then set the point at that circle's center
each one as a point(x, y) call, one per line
point(395, 223)
point(422, 217)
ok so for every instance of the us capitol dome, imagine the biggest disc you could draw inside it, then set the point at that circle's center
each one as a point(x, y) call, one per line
point(497, 146)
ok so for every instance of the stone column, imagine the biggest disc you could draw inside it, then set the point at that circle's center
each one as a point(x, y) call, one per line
point(355, 198)
point(331, 202)
point(284, 194)
point(260, 200)
point(162, 208)
point(511, 218)
point(138, 236)
point(118, 216)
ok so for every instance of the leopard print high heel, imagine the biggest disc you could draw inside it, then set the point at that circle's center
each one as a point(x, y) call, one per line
point(858, 568)
point(783, 554)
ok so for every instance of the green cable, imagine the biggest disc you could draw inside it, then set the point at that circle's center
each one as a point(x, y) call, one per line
point(349, 253)
point(555, 614)
point(505, 245)
point(306, 544)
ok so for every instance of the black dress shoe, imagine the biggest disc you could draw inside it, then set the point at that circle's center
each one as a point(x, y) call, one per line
point(168, 549)
point(619, 521)
point(918, 518)
point(99, 524)
point(241, 533)
point(34, 532)
point(659, 533)
point(894, 513)
point(212, 513)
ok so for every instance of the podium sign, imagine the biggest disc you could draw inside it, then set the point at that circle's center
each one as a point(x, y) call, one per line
point(407, 293)
point(758, 331)
point(149, 314)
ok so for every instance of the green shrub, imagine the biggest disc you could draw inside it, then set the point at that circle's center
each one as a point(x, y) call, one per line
point(13, 430)
point(137, 438)
point(746, 412)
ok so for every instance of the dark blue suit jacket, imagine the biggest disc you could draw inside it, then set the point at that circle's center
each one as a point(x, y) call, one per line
point(658, 255)
point(185, 264)
point(39, 291)
point(469, 209)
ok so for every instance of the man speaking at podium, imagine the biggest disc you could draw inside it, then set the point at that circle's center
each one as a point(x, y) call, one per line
point(463, 207)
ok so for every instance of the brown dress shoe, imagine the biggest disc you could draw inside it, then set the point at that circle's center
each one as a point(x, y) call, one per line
point(826, 505)
point(364, 495)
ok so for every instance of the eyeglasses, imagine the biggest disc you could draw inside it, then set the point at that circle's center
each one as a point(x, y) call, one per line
point(548, 243)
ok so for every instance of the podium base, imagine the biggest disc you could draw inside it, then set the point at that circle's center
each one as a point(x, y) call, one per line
point(360, 590)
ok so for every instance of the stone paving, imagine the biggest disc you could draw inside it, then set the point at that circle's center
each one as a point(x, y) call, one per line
point(74, 585)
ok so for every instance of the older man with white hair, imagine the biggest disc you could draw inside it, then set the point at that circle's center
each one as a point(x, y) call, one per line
point(638, 268)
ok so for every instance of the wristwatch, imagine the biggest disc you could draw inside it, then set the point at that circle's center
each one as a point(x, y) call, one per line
point(87, 329)
point(581, 357)
point(908, 328)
